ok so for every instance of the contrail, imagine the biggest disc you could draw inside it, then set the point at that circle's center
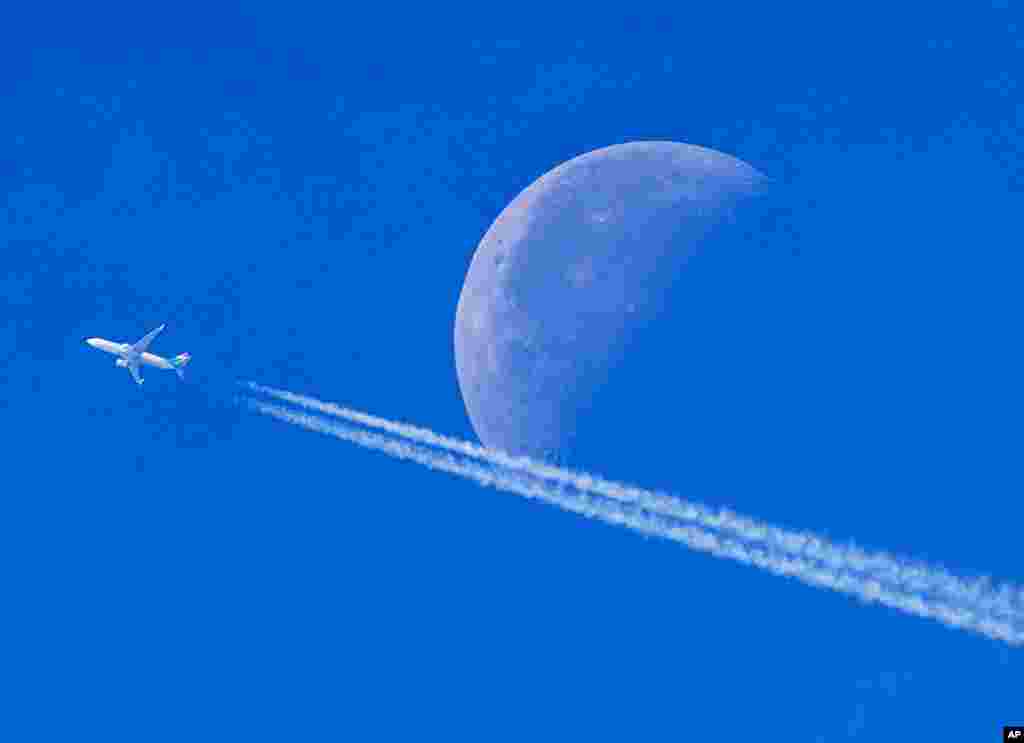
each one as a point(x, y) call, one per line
point(1003, 626)
point(903, 574)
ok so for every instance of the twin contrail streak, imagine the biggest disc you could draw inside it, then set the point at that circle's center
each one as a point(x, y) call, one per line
point(907, 575)
point(914, 588)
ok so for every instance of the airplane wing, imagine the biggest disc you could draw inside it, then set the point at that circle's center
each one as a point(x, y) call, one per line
point(134, 369)
point(143, 343)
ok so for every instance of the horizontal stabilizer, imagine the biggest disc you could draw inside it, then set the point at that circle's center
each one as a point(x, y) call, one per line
point(179, 363)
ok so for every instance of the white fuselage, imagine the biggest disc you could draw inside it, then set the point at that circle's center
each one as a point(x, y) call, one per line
point(124, 350)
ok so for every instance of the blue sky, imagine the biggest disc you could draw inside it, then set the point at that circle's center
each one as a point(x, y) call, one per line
point(297, 193)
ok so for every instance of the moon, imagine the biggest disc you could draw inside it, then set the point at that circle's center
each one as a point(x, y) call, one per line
point(585, 310)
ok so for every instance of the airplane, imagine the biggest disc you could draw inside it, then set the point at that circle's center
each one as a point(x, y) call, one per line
point(132, 355)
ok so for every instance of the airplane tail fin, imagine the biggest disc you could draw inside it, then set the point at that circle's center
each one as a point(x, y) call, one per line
point(179, 363)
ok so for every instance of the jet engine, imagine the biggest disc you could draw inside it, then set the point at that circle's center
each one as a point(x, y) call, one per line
point(121, 363)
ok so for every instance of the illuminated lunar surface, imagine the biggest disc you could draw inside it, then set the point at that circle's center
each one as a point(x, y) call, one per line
point(569, 320)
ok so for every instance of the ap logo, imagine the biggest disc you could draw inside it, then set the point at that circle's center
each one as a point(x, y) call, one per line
point(1015, 734)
